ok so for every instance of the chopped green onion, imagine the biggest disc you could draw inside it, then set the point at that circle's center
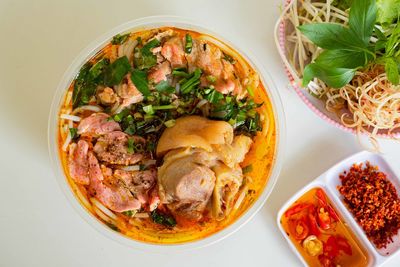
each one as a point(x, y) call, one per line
point(180, 72)
point(190, 84)
point(250, 90)
point(189, 43)
point(169, 123)
point(164, 107)
point(229, 58)
point(148, 109)
point(119, 117)
point(164, 86)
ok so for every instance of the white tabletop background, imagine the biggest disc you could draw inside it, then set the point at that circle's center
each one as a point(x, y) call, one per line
point(38, 227)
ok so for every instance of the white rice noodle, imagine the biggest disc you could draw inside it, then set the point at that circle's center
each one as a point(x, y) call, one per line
point(141, 215)
point(100, 206)
point(68, 98)
point(240, 199)
point(103, 216)
point(67, 141)
point(87, 107)
point(70, 117)
point(81, 196)
point(131, 168)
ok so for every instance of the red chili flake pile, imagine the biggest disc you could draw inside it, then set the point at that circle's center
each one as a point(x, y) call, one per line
point(374, 202)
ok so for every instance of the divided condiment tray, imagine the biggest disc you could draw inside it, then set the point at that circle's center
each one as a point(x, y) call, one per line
point(329, 181)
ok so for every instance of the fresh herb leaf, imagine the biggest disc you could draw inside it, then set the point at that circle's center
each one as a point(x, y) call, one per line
point(388, 11)
point(333, 77)
point(73, 132)
point(362, 18)
point(120, 39)
point(164, 87)
point(163, 219)
point(214, 96)
point(332, 36)
point(392, 70)
point(188, 44)
point(340, 57)
point(116, 71)
point(112, 226)
point(83, 88)
point(139, 78)
point(144, 57)
point(97, 69)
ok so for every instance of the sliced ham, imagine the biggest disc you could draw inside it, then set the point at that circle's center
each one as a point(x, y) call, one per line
point(113, 148)
point(97, 124)
point(109, 191)
point(78, 162)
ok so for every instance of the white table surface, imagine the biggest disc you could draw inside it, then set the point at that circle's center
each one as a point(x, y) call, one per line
point(38, 227)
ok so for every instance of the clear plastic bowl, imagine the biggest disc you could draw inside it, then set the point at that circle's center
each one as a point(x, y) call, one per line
point(92, 49)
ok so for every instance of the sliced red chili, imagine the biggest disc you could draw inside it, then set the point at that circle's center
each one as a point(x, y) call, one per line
point(331, 248)
point(296, 209)
point(332, 213)
point(321, 197)
point(343, 245)
point(299, 228)
point(312, 221)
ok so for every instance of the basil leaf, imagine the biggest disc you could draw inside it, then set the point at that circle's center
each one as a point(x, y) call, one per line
point(388, 11)
point(97, 69)
point(79, 84)
point(144, 58)
point(120, 39)
point(343, 58)
point(392, 70)
point(333, 77)
point(116, 71)
point(139, 79)
point(362, 19)
point(332, 36)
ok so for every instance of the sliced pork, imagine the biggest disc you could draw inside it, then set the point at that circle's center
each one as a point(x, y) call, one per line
point(109, 191)
point(97, 124)
point(78, 162)
point(113, 148)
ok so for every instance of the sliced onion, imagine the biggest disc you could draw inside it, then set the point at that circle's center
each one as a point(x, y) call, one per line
point(103, 208)
point(131, 168)
point(240, 198)
point(201, 103)
point(103, 216)
point(70, 117)
point(87, 107)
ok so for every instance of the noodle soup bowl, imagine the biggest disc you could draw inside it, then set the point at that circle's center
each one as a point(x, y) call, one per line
point(53, 143)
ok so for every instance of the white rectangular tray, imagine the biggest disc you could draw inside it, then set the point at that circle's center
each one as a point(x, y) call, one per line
point(329, 182)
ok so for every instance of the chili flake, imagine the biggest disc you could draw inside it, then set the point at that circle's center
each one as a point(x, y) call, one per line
point(374, 202)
